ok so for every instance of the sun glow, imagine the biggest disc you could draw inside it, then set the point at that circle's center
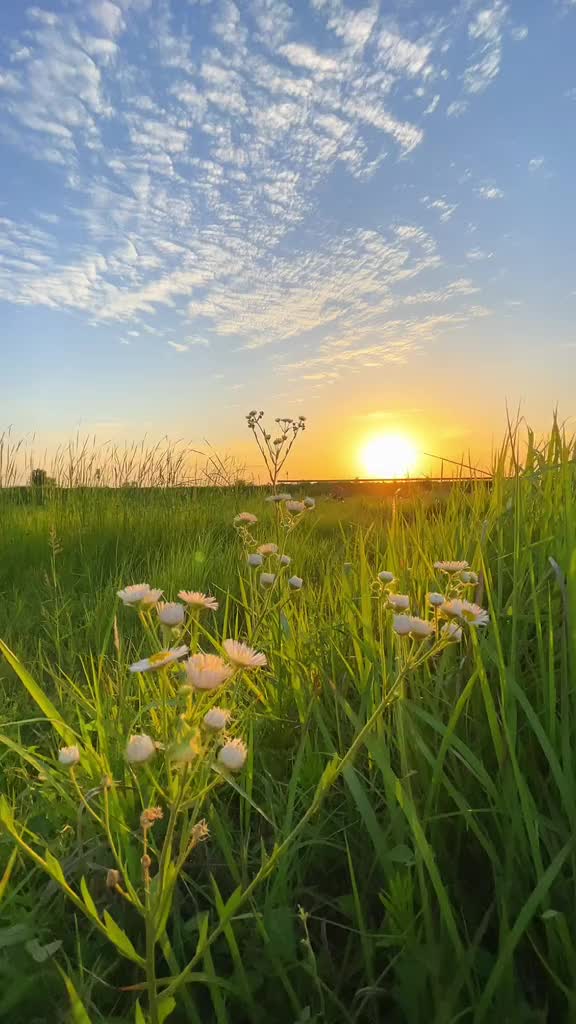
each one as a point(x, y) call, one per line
point(389, 456)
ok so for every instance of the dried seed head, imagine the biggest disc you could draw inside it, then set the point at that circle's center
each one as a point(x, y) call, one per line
point(112, 878)
point(151, 815)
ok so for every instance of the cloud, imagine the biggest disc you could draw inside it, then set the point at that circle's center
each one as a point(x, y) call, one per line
point(445, 208)
point(457, 108)
point(478, 255)
point(108, 16)
point(490, 192)
point(303, 56)
point(519, 33)
point(486, 29)
point(536, 164)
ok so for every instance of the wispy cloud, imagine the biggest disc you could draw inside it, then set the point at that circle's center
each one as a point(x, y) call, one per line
point(490, 192)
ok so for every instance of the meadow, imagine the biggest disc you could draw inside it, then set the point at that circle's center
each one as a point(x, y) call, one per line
point(380, 825)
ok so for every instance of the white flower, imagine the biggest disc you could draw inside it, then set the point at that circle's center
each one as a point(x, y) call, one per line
point(451, 566)
point(275, 498)
point(267, 579)
point(451, 631)
point(140, 749)
point(246, 517)
point(160, 660)
point(473, 614)
point(255, 560)
point(69, 756)
point(295, 507)
point(233, 755)
point(399, 602)
point(386, 577)
point(196, 599)
point(310, 502)
point(469, 577)
point(420, 628)
point(216, 719)
point(242, 655)
point(285, 559)
point(170, 613)
point(295, 582)
point(139, 593)
point(436, 599)
point(268, 549)
point(207, 671)
point(401, 624)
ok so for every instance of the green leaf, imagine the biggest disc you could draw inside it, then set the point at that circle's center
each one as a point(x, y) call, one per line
point(54, 868)
point(79, 1015)
point(139, 1017)
point(165, 1007)
point(36, 692)
point(121, 940)
point(88, 901)
point(42, 953)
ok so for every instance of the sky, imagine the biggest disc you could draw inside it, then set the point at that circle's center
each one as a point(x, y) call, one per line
point(360, 212)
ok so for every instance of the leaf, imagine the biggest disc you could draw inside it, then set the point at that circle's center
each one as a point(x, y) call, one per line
point(36, 692)
point(54, 868)
point(139, 1017)
point(121, 940)
point(88, 901)
point(42, 953)
point(14, 935)
point(165, 1006)
point(7, 873)
point(79, 1015)
point(402, 854)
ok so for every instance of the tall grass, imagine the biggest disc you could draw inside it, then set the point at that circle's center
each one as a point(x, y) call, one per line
point(402, 837)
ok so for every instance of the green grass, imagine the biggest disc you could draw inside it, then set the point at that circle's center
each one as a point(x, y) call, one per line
point(401, 844)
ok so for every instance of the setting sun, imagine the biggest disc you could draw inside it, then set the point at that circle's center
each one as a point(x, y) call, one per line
point(389, 456)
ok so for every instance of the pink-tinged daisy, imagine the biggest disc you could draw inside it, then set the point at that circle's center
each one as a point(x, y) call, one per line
point(139, 594)
point(451, 631)
point(195, 599)
point(245, 517)
point(170, 613)
point(207, 671)
point(268, 549)
point(399, 602)
point(466, 611)
point(140, 749)
point(451, 567)
point(242, 655)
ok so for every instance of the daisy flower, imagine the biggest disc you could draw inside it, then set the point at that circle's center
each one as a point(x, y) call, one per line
point(451, 566)
point(275, 498)
point(310, 502)
point(195, 599)
point(242, 655)
point(451, 631)
point(295, 582)
point(401, 624)
point(216, 719)
point(267, 579)
point(207, 671)
point(399, 602)
point(255, 560)
point(245, 517)
point(436, 599)
point(295, 507)
point(139, 749)
point(233, 755)
point(69, 756)
point(466, 611)
point(160, 660)
point(284, 559)
point(170, 613)
point(420, 629)
point(386, 577)
point(139, 594)
point(268, 549)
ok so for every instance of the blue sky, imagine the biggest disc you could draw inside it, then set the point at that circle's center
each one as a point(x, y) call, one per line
point(361, 211)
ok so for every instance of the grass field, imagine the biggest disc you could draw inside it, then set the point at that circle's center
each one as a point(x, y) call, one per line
point(400, 844)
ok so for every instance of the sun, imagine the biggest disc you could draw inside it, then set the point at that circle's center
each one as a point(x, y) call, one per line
point(389, 456)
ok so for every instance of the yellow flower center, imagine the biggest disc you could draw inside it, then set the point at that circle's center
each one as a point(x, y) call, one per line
point(155, 659)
